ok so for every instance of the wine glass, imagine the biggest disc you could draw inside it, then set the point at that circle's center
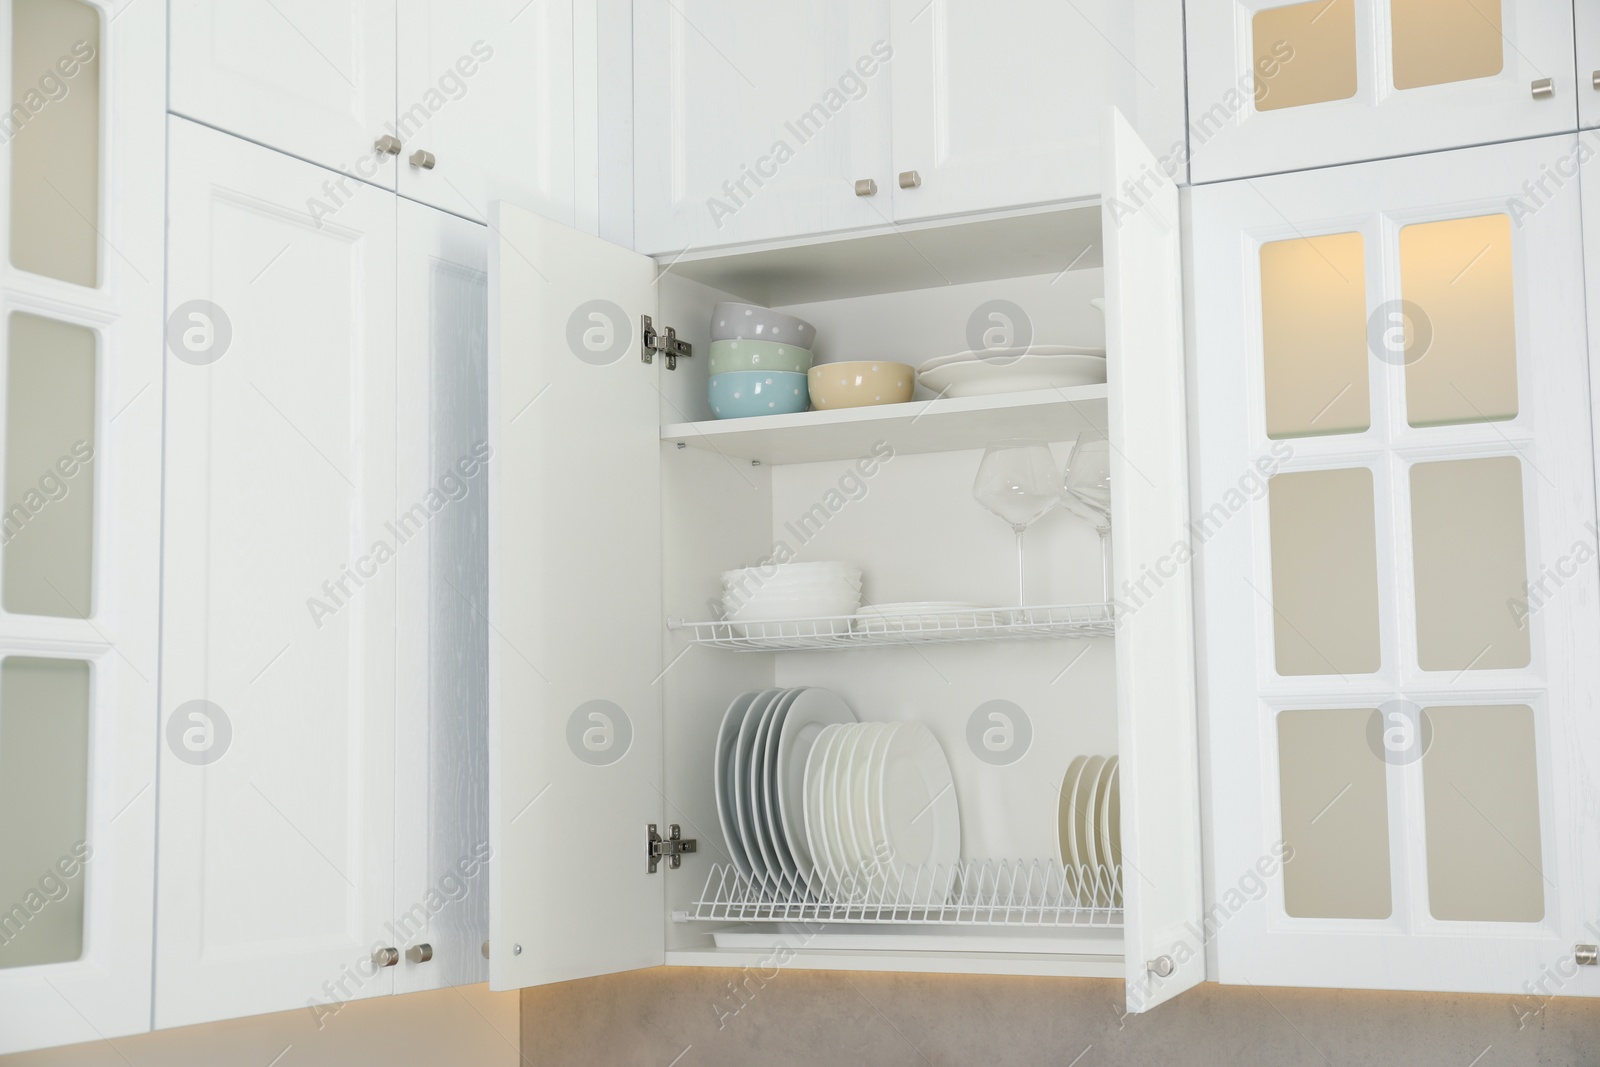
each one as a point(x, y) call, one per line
point(1020, 482)
point(1087, 494)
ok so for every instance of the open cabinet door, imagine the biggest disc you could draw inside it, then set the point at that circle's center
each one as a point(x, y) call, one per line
point(1150, 537)
point(574, 606)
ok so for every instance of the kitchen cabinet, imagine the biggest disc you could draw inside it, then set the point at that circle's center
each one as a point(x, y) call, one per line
point(324, 599)
point(1000, 106)
point(615, 504)
point(1586, 31)
point(314, 80)
point(753, 123)
point(1394, 507)
point(471, 100)
point(79, 557)
point(486, 105)
point(1278, 87)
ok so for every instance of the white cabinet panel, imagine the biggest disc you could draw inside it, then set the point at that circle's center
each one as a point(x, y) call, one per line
point(756, 121)
point(276, 861)
point(574, 606)
point(311, 78)
point(486, 88)
point(1586, 31)
point(1410, 810)
point(1149, 479)
point(82, 454)
point(1000, 105)
point(1277, 87)
point(441, 711)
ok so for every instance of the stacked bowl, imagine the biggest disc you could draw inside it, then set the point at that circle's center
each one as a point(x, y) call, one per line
point(759, 360)
point(783, 591)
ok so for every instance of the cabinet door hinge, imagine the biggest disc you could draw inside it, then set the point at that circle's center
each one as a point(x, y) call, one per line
point(666, 342)
point(670, 848)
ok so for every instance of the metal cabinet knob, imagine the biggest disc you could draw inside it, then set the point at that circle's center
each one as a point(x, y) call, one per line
point(1544, 88)
point(866, 187)
point(910, 179)
point(1586, 955)
point(419, 953)
point(388, 144)
point(386, 957)
point(1594, 79)
point(423, 158)
point(1161, 967)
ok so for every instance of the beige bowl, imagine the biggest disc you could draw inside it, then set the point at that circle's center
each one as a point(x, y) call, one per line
point(860, 384)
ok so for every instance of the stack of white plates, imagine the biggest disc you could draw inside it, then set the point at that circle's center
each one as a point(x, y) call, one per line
point(1089, 818)
point(881, 819)
point(1013, 370)
point(915, 616)
point(791, 591)
point(763, 747)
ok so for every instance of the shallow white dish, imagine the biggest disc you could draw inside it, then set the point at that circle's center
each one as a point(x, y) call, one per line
point(1006, 355)
point(819, 769)
point(745, 822)
point(882, 618)
point(1066, 828)
point(860, 808)
point(767, 779)
point(811, 713)
point(985, 377)
point(1083, 813)
point(919, 819)
point(722, 777)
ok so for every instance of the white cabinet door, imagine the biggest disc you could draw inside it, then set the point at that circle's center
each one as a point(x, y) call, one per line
point(486, 91)
point(80, 439)
point(441, 704)
point(1397, 508)
point(574, 606)
point(756, 121)
point(1150, 479)
point(1000, 105)
point(312, 78)
point(276, 861)
point(1276, 87)
point(1586, 30)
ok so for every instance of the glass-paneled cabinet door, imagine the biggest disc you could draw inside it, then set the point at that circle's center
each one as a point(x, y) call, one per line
point(1586, 30)
point(1396, 532)
point(1277, 86)
point(81, 331)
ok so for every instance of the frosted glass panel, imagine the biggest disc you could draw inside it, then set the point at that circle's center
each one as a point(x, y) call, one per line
point(53, 130)
point(1480, 782)
point(1335, 800)
point(44, 804)
point(1314, 335)
point(1321, 39)
point(1324, 572)
point(1457, 273)
point(1438, 41)
point(48, 525)
point(1468, 552)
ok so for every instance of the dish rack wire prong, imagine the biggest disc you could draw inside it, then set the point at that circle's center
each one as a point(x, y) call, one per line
point(1014, 893)
point(854, 631)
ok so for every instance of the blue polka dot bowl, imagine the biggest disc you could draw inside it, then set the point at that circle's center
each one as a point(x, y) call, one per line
point(741, 394)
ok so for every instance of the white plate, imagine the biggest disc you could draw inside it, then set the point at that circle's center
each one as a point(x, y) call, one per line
point(1009, 354)
point(847, 880)
point(755, 791)
point(919, 819)
point(741, 781)
point(838, 877)
point(1066, 835)
point(1083, 813)
point(881, 618)
point(767, 782)
point(819, 765)
point(1110, 841)
point(812, 711)
point(861, 807)
point(722, 777)
point(882, 868)
point(984, 378)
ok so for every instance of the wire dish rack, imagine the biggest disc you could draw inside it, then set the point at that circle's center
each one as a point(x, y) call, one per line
point(855, 631)
point(1013, 893)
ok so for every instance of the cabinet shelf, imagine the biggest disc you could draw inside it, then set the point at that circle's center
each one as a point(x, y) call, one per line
point(989, 893)
point(946, 424)
point(849, 631)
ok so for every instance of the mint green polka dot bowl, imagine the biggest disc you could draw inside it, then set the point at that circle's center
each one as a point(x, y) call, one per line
point(741, 394)
point(730, 356)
